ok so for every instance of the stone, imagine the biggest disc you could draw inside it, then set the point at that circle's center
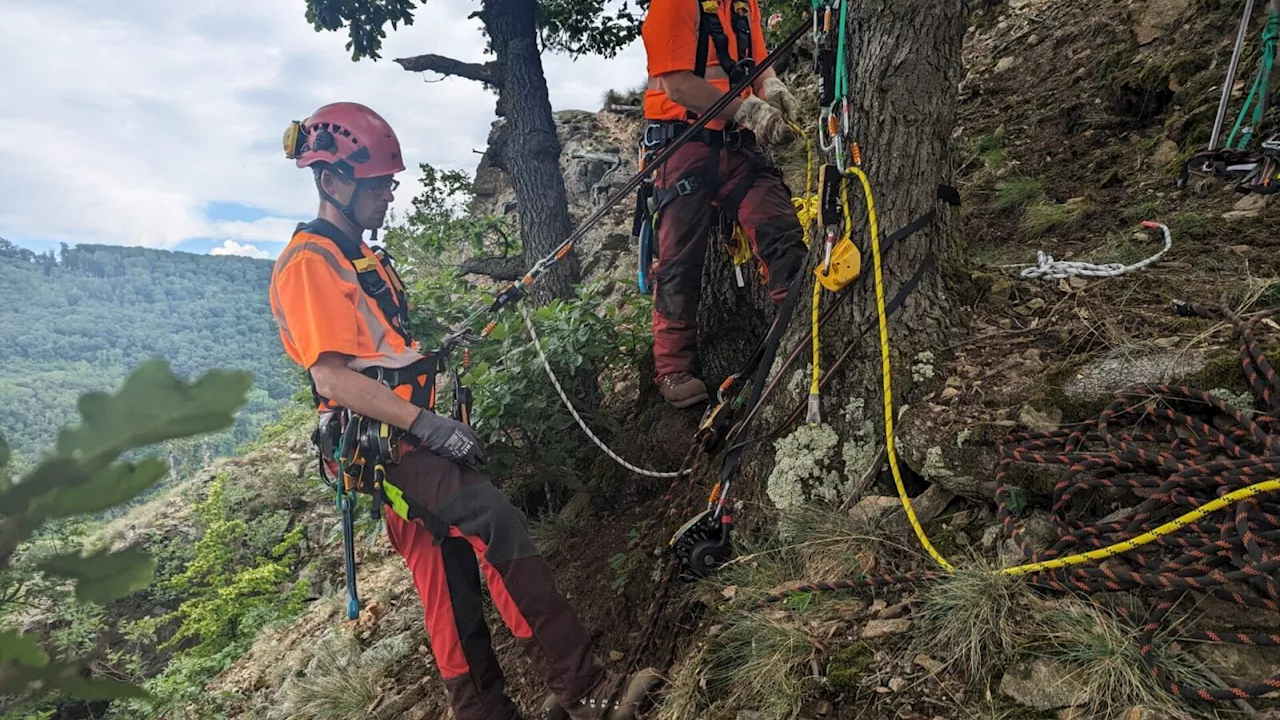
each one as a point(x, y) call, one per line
point(1103, 378)
point(1166, 152)
point(884, 628)
point(893, 612)
point(388, 650)
point(1252, 201)
point(927, 505)
point(1157, 17)
point(1233, 215)
point(1044, 685)
point(578, 509)
point(927, 663)
point(1004, 64)
point(1240, 663)
point(872, 509)
point(1040, 420)
point(991, 535)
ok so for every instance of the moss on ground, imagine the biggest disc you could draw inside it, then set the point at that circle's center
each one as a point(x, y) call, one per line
point(847, 668)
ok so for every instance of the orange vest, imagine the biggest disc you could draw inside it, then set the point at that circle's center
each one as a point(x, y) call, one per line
point(702, 37)
point(330, 293)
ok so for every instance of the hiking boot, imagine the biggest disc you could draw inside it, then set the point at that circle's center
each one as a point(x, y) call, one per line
point(635, 697)
point(682, 389)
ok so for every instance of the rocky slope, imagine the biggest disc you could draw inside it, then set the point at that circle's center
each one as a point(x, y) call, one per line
point(1075, 117)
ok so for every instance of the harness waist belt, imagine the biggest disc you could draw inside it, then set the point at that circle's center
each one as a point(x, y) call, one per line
point(657, 133)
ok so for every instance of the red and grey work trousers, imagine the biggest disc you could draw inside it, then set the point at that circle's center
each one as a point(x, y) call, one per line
point(474, 520)
point(742, 183)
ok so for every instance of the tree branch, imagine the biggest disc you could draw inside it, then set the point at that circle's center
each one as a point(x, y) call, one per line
point(499, 268)
point(486, 73)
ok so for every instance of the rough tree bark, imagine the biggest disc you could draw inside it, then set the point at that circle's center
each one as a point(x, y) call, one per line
point(904, 70)
point(529, 152)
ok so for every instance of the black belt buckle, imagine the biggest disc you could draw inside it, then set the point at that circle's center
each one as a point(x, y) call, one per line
point(732, 139)
point(655, 129)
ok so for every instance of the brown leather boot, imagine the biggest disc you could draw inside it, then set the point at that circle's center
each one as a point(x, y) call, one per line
point(636, 696)
point(682, 389)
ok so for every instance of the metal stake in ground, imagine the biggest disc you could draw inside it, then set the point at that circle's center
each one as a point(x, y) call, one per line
point(1231, 76)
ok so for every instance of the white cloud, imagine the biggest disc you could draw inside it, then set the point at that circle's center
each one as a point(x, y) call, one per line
point(231, 247)
point(270, 229)
point(129, 118)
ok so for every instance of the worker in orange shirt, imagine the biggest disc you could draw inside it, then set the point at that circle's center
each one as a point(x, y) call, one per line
point(696, 52)
point(343, 316)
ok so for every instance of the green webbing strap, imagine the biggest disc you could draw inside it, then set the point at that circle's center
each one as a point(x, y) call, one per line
point(1257, 100)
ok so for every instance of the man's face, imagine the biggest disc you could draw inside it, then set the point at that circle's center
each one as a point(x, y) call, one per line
point(373, 200)
point(376, 195)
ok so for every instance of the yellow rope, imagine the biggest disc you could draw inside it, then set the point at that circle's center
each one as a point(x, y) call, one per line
point(1124, 546)
point(807, 213)
point(1168, 528)
point(884, 356)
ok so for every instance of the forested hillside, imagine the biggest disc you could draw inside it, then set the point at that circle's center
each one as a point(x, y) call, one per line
point(80, 319)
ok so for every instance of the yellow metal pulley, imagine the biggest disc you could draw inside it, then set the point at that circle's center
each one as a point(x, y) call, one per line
point(845, 266)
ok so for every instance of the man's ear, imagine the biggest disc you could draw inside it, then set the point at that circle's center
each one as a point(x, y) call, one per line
point(333, 184)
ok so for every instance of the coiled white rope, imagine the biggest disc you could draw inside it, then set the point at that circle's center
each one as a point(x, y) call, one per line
point(1046, 268)
point(528, 322)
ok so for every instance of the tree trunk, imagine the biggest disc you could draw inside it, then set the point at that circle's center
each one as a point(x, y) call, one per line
point(905, 65)
point(530, 151)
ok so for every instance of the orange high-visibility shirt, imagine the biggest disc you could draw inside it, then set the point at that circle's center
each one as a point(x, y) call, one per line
point(670, 33)
point(319, 307)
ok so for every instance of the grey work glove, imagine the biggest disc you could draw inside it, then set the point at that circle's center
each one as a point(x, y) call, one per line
point(777, 95)
point(764, 120)
point(448, 438)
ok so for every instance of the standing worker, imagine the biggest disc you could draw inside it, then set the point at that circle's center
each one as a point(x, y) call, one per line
point(696, 52)
point(343, 317)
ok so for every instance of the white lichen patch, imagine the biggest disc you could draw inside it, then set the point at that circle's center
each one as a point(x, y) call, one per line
point(922, 368)
point(963, 437)
point(934, 465)
point(803, 468)
point(859, 450)
point(1240, 401)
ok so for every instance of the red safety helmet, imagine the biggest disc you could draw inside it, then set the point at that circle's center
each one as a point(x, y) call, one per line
point(350, 137)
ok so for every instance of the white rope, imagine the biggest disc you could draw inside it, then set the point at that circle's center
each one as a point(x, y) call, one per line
point(1047, 268)
point(528, 322)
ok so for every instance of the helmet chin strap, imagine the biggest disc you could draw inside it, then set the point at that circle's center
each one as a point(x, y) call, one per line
point(349, 209)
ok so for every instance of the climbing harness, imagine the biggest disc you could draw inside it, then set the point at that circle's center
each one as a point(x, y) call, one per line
point(1181, 449)
point(657, 134)
point(361, 448)
point(515, 291)
point(1046, 268)
point(1254, 170)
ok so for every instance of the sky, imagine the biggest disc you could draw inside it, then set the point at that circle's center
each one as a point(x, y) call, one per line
point(159, 123)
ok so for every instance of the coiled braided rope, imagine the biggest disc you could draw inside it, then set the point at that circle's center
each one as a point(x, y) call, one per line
point(1184, 450)
point(1046, 268)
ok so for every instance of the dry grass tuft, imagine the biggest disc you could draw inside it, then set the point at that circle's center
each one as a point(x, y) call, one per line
point(976, 619)
point(336, 684)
